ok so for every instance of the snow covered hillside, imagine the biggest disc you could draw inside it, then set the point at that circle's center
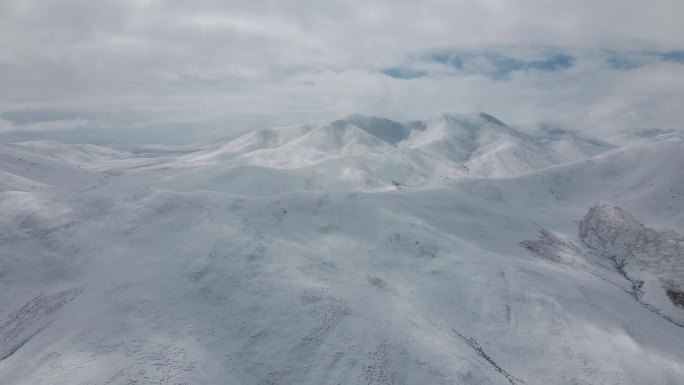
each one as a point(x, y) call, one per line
point(369, 153)
point(356, 251)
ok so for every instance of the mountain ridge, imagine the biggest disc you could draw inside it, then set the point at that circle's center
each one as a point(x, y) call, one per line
point(193, 265)
point(449, 145)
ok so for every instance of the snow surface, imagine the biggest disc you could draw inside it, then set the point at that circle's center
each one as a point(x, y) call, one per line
point(357, 251)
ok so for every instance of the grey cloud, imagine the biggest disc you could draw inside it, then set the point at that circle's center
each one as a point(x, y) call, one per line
point(307, 60)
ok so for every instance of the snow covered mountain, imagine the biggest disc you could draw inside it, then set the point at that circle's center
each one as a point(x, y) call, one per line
point(356, 251)
point(369, 153)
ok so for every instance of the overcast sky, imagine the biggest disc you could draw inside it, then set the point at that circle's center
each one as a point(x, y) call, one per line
point(595, 65)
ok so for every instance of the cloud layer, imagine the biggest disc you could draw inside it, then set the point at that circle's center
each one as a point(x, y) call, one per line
point(601, 66)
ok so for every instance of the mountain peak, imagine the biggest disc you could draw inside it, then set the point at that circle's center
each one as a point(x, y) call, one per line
point(388, 130)
point(491, 119)
point(383, 150)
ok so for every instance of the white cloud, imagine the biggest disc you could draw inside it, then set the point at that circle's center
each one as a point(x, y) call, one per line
point(6, 126)
point(298, 61)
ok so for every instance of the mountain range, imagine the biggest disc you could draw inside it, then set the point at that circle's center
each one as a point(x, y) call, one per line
point(362, 250)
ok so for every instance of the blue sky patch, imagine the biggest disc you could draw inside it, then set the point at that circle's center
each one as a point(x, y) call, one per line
point(505, 65)
point(502, 66)
point(403, 73)
point(676, 56)
point(450, 59)
point(619, 62)
point(554, 63)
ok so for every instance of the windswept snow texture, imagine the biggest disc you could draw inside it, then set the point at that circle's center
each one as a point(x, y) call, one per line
point(610, 239)
point(357, 251)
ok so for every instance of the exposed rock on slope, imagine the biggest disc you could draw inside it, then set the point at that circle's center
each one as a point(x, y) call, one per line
point(610, 238)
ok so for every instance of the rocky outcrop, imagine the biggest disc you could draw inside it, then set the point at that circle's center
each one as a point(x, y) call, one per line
point(610, 238)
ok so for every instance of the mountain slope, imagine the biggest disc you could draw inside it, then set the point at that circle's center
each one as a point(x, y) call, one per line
point(373, 153)
point(614, 246)
point(203, 268)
